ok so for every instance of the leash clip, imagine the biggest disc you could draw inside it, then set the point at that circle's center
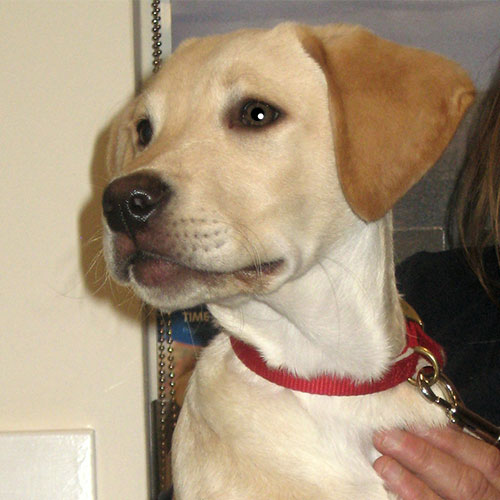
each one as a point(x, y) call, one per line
point(453, 406)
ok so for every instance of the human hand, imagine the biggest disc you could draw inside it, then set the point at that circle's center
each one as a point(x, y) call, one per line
point(438, 464)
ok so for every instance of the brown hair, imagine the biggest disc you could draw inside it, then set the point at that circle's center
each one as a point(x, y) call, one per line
point(473, 213)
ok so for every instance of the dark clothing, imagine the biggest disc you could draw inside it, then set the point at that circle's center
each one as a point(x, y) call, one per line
point(458, 313)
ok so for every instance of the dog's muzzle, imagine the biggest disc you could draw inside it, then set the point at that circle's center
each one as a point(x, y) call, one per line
point(129, 202)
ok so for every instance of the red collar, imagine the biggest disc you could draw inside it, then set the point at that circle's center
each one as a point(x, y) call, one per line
point(326, 385)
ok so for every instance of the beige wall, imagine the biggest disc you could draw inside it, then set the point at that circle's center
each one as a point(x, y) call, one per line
point(70, 357)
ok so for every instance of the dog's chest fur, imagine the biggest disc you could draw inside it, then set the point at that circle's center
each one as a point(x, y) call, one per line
point(263, 441)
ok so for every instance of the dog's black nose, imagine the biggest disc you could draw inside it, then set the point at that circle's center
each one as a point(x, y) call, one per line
point(129, 202)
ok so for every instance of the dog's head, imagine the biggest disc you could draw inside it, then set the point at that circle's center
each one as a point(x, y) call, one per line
point(248, 154)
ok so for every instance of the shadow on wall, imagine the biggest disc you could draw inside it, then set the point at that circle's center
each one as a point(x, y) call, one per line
point(96, 278)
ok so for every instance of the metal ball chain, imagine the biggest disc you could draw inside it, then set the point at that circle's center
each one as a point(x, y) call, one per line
point(165, 349)
point(156, 38)
point(166, 376)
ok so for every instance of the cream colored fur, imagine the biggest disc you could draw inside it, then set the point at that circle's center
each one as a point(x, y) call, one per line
point(246, 197)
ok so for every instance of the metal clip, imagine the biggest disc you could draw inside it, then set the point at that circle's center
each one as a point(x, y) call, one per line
point(453, 406)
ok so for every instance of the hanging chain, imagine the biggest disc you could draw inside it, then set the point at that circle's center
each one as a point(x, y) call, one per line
point(156, 38)
point(167, 406)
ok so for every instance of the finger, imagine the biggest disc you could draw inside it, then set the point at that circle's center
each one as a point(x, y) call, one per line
point(467, 449)
point(401, 481)
point(444, 474)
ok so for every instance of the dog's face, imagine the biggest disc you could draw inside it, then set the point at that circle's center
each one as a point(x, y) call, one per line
point(238, 141)
point(229, 167)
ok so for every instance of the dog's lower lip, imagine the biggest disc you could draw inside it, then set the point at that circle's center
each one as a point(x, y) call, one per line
point(157, 271)
point(153, 270)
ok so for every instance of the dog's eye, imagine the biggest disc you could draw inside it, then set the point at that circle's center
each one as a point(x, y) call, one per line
point(258, 114)
point(144, 132)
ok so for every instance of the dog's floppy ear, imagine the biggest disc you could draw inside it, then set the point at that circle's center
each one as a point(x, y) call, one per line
point(393, 110)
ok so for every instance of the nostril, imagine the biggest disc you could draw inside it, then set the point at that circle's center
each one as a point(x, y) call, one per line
point(141, 204)
point(111, 208)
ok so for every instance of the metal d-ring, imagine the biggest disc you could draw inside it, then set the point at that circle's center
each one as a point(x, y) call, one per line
point(431, 379)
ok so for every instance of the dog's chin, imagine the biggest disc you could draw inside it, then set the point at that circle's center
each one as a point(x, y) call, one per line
point(169, 285)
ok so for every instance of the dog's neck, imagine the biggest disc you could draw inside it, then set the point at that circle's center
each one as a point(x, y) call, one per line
point(341, 317)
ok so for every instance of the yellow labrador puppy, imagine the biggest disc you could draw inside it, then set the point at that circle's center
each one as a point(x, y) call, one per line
point(256, 173)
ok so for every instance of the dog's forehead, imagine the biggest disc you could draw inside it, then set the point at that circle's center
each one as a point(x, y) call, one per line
point(250, 58)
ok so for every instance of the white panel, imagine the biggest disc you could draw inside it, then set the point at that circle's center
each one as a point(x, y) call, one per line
point(56, 465)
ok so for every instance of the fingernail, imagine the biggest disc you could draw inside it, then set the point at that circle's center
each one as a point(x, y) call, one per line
point(388, 440)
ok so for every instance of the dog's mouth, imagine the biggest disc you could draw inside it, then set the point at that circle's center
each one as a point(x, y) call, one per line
point(152, 270)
